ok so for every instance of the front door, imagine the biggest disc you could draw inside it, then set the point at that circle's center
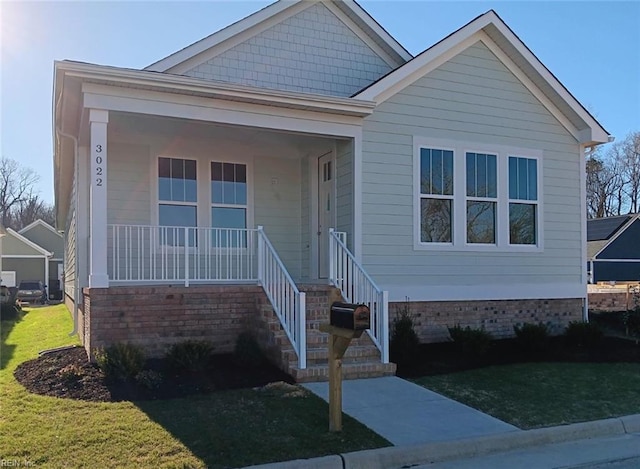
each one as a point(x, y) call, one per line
point(326, 210)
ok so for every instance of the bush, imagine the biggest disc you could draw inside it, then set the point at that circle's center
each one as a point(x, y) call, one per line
point(583, 334)
point(631, 321)
point(149, 379)
point(532, 338)
point(190, 355)
point(471, 343)
point(404, 342)
point(247, 351)
point(120, 361)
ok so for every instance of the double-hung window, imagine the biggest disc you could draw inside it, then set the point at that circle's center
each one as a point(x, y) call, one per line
point(436, 195)
point(482, 197)
point(229, 203)
point(178, 200)
point(471, 196)
point(523, 200)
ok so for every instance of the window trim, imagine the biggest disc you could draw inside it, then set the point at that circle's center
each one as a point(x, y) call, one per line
point(459, 236)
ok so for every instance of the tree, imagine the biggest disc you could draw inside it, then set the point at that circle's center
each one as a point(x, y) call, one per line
point(19, 204)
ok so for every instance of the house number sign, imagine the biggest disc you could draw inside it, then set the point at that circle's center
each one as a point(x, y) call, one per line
point(99, 168)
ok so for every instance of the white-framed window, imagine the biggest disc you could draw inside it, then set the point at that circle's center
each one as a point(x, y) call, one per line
point(177, 199)
point(436, 195)
point(480, 197)
point(229, 202)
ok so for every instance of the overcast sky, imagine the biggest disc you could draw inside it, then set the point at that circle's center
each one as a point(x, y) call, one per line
point(593, 48)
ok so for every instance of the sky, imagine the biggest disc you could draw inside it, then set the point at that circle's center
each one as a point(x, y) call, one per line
point(593, 48)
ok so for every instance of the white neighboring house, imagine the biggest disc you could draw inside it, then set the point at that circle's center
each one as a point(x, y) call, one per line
point(304, 145)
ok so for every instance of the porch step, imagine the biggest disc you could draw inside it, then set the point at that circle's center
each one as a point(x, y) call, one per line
point(361, 360)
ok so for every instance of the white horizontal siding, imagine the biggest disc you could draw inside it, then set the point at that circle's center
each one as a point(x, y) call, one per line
point(471, 98)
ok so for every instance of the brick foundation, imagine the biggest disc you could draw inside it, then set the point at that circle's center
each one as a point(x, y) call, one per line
point(601, 302)
point(156, 317)
point(433, 318)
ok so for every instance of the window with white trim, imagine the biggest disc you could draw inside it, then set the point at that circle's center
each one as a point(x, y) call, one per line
point(436, 195)
point(229, 203)
point(482, 197)
point(523, 200)
point(476, 196)
point(178, 199)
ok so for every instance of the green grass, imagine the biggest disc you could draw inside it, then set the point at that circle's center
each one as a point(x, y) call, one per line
point(532, 395)
point(225, 429)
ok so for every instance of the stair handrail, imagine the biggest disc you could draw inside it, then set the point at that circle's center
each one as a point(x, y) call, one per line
point(289, 303)
point(346, 273)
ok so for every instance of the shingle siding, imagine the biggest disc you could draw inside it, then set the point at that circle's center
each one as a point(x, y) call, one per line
point(311, 52)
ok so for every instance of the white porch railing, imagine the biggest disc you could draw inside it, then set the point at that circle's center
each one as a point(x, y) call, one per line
point(288, 302)
point(142, 254)
point(358, 287)
point(162, 254)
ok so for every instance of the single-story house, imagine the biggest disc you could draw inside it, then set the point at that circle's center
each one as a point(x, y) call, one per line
point(613, 245)
point(240, 181)
point(46, 236)
point(22, 259)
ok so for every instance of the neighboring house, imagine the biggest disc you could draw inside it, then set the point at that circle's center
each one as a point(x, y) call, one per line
point(46, 236)
point(191, 189)
point(26, 259)
point(613, 245)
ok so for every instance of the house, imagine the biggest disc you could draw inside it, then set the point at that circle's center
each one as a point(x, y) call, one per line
point(613, 251)
point(23, 260)
point(44, 235)
point(239, 181)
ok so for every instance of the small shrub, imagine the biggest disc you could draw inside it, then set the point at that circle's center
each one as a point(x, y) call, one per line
point(583, 334)
point(71, 374)
point(404, 341)
point(149, 379)
point(631, 321)
point(532, 338)
point(471, 343)
point(190, 355)
point(120, 361)
point(247, 351)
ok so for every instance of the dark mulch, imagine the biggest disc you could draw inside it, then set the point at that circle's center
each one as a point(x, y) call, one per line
point(443, 358)
point(68, 374)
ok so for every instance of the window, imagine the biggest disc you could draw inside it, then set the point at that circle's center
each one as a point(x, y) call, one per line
point(436, 195)
point(229, 203)
point(482, 198)
point(523, 197)
point(177, 194)
point(479, 197)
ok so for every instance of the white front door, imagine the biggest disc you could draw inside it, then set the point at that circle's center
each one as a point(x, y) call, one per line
point(326, 210)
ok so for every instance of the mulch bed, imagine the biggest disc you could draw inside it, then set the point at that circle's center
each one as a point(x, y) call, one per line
point(68, 374)
point(444, 358)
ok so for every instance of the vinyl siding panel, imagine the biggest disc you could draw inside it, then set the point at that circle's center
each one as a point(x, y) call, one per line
point(25, 269)
point(311, 52)
point(305, 218)
point(46, 239)
point(128, 184)
point(70, 244)
point(471, 98)
point(344, 188)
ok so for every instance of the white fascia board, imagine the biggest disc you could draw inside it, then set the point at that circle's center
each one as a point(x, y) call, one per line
point(236, 29)
point(29, 243)
point(220, 111)
point(627, 224)
point(41, 223)
point(187, 85)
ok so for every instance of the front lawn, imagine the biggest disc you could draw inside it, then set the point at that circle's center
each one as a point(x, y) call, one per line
point(222, 429)
point(531, 395)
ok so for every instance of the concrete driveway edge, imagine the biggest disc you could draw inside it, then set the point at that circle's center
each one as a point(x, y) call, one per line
point(324, 462)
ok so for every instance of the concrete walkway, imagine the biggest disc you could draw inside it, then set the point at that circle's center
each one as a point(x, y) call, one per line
point(407, 414)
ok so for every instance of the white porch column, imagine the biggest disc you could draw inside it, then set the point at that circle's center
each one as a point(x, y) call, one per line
point(98, 276)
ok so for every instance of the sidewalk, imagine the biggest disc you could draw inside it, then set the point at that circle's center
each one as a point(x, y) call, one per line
point(407, 414)
point(436, 432)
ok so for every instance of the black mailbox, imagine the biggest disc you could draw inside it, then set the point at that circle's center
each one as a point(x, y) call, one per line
point(349, 316)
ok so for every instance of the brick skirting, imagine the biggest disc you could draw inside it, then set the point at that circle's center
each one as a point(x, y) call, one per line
point(433, 318)
point(158, 316)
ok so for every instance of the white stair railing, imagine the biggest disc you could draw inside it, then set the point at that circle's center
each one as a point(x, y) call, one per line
point(288, 302)
point(358, 287)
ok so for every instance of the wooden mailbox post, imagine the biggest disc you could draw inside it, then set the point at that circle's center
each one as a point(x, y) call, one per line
point(340, 337)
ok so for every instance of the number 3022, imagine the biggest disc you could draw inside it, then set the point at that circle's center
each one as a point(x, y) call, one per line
point(99, 169)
